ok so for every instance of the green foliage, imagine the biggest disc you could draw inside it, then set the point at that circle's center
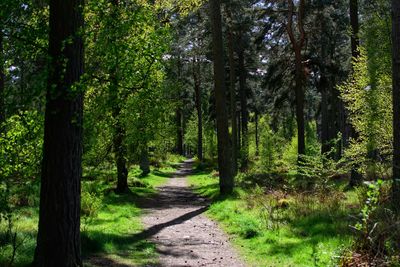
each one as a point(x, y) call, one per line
point(276, 228)
point(378, 229)
point(90, 206)
point(367, 102)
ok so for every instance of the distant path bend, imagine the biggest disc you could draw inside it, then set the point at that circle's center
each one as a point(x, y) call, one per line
point(182, 234)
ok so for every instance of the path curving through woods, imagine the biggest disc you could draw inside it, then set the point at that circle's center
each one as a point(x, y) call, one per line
point(175, 222)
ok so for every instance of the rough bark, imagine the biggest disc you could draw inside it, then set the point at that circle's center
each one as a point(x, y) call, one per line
point(224, 150)
point(232, 92)
point(58, 240)
point(197, 89)
point(396, 100)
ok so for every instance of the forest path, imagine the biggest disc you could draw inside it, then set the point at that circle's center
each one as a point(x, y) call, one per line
point(183, 236)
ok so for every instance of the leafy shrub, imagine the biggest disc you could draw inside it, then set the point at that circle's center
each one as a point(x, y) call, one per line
point(90, 206)
point(378, 229)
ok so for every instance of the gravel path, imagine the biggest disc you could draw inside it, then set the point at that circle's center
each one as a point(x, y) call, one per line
point(183, 236)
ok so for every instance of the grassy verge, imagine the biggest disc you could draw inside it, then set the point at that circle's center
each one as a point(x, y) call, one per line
point(280, 229)
point(110, 228)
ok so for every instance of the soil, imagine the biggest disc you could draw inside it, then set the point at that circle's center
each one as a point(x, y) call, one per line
point(183, 236)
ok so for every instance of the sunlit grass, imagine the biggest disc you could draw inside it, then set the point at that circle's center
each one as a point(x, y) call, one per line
point(305, 231)
point(112, 236)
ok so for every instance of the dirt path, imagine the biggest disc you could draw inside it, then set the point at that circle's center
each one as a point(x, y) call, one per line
point(183, 236)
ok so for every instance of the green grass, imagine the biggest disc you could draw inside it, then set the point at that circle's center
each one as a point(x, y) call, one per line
point(113, 235)
point(306, 231)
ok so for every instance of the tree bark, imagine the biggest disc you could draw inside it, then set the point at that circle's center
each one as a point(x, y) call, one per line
point(396, 100)
point(224, 151)
point(232, 91)
point(120, 152)
point(58, 240)
point(144, 160)
point(197, 89)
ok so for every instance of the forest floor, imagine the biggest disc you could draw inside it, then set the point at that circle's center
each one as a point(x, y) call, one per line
point(174, 221)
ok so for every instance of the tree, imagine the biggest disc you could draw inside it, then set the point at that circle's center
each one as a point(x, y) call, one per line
point(224, 150)
point(58, 240)
point(298, 45)
point(2, 77)
point(197, 88)
point(396, 99)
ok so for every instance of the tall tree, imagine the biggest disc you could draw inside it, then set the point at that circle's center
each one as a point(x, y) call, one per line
point(224, 150)
point(355, 175)
point(2, 76)
point(396, 99)
point(232, 91)
point(298, 45)
point(196, 70)
point(58, 240)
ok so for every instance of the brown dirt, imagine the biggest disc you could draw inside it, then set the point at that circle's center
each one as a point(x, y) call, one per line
point(175, 222)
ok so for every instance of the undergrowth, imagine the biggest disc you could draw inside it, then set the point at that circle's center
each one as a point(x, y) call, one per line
point(283, 227)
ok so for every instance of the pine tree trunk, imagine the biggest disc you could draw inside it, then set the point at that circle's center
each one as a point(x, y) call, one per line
point(396, 100)
point(232, 91)
point(301, 144)
point(197, 90)
point(58, 240)
point(243, 109)
point(224, 150)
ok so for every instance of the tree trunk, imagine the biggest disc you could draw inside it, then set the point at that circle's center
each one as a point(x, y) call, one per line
point(232, 91)
point(2, 79)
point(355, 176)
point(197, 89)
point(58, 240)
point(300, 75)
point(396, 100)
point(243, 109)
point(179, 132)
point(257, 134)
point(120, 153)
point(301, 144)
point(144, 160)
point(224, 151)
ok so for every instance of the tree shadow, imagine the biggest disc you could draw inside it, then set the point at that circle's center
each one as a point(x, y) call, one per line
point(128, 246)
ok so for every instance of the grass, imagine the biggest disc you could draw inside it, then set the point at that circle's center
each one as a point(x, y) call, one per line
point(278, 229)
point(112, 236)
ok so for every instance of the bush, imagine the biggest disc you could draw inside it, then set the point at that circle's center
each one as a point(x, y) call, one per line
point(90, 206)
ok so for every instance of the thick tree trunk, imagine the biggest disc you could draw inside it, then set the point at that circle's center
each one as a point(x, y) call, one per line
point(243, 109)
point(58, 240)
point(232, 91)
point(396, 101)
point(197, 89)
point(224, 150)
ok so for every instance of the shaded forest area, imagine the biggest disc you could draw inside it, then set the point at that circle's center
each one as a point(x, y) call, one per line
point(291, 110)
